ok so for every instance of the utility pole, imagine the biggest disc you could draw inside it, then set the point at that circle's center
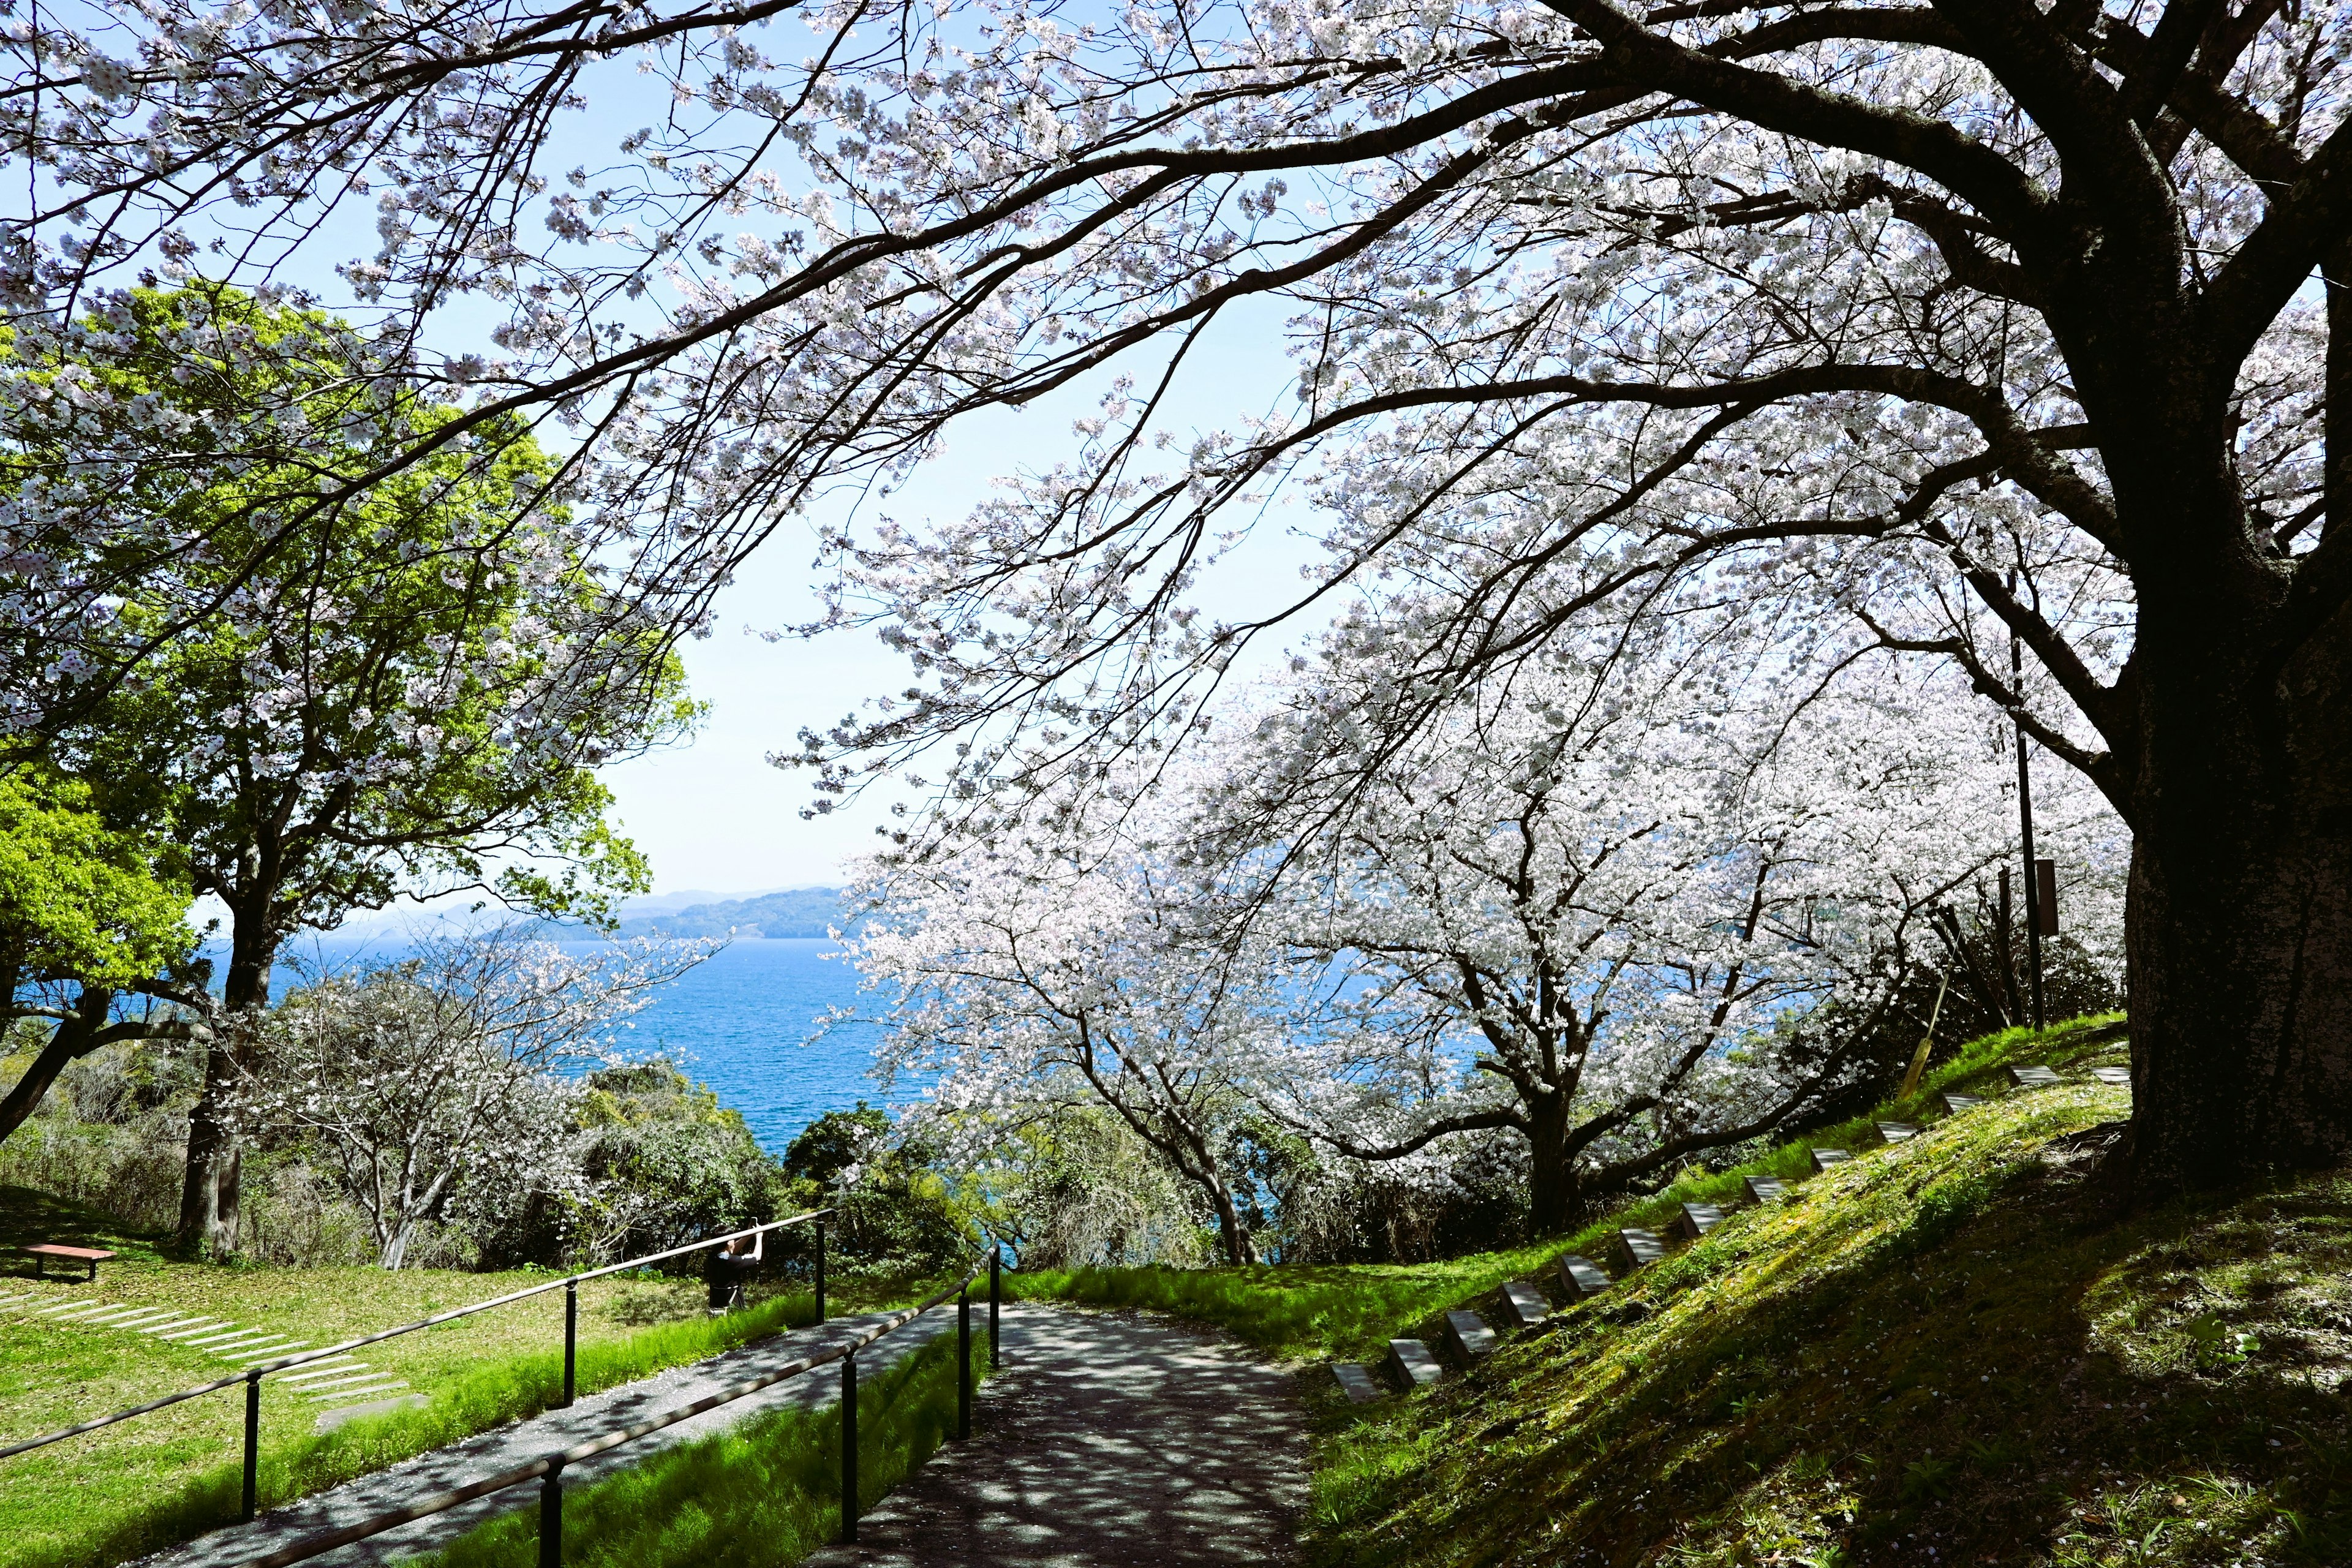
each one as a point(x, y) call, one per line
point(2025, 821)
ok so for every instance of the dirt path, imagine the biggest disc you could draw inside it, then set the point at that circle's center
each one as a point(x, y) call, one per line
point(519, 1442)
point(1109, 1438)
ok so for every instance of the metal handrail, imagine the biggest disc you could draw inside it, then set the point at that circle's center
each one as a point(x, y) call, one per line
point(252, 1375)
point(550, 1466)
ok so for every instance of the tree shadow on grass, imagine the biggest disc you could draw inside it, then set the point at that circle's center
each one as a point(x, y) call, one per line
point(1966, 1357)
point(29, 1216)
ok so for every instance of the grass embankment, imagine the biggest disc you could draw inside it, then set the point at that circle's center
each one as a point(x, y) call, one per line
point(1350, 1312)
point(175, 1473)
point(766, 1492)
point(1950, 1351)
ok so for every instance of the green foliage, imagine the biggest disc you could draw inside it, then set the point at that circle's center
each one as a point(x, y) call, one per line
point(768, 1492)
point(79, 900)
point(349, 693)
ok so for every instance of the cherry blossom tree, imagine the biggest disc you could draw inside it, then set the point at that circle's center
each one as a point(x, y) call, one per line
point(1046, 971)
point(1867, 306)
point(448, 1082)
point(1653, 921)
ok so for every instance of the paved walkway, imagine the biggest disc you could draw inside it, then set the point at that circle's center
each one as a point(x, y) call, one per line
point(517, 1443)
point(1109, 1438)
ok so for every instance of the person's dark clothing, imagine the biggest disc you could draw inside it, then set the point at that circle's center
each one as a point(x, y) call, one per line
point(725, 1273)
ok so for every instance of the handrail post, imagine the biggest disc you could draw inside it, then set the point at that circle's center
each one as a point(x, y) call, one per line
point(571, 1335)
point(820, 1271)
point(550, 1515)
point(849, 1447)
point(995, 1295)
point(963, 1363)
point(252, 1446)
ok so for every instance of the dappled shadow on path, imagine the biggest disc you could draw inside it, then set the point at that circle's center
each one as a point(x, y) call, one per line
point(1110, 1437)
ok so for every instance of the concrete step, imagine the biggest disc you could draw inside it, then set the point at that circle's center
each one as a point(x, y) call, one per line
point(1896, 1132)
point(1357, 1383)
point(1823, 1159)
point(1467, 1335)
point(2119, 1077)
point(2033, 1078)
point(1524, 1305)
point(1640, 1247)
point(1412, 1364)
point(1581, 1277)
point(1767, 1190)
point(1955, 1103)
point(1697, 1219)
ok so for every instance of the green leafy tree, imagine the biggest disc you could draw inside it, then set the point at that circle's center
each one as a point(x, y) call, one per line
point(404, 695)
point(89, 917)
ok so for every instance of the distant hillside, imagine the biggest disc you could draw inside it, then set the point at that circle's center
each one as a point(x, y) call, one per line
point(795, 911)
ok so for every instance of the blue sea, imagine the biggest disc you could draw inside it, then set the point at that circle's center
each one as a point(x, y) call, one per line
point(737, 1022)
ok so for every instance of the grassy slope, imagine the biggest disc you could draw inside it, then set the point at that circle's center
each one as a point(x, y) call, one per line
point(1947, 1352)
point(1350, 1311)
point(767, 1494)
point(173, 1474)
point(1948, 1347)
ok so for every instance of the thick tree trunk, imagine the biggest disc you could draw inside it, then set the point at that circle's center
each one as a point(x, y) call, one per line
point(212, 1189)
point(1553, 1201)
point(1233, 1236)
point(2239, 921)
point(73, 1039)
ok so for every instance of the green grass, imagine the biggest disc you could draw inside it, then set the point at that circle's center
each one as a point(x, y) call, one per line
point(1954, 1346)
point(1350, 1311)
point(766, 1492)
point(1342, 1310)
point(166, 1477)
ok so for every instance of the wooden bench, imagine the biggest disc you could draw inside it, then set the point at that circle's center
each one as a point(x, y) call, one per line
point(1697, 1219)
point(1824, 1158)
point(43, 1251)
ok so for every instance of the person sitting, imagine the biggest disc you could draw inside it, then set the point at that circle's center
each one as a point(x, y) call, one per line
point(729, 1266)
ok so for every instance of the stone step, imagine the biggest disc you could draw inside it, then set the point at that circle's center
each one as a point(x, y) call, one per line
point(382, 1384)
point(2119, 1077)
point(1896, 1132)
point(1767, 1190)
point(330, 1419)
point(318, 1372)
point(1412, 1365)
point(345, 1382)
point(1581, 1277)
point(1469, 1337)
point(1955, 1103)
point(2031, 1078)
point(1823, 1159)
point(1640, 1245)
point(1359, 1385)
point(1697, 1219)
point(1524, 1305)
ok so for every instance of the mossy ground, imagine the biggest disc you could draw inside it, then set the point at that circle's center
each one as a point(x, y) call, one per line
point(1950, 1351)
point(173, 1474)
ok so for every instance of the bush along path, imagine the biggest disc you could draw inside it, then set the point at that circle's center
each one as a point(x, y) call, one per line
point(1109, 1438)
point(1949, 1348)
point(523, 1441)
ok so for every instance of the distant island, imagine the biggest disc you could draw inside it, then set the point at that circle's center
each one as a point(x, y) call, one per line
point(793, 912)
